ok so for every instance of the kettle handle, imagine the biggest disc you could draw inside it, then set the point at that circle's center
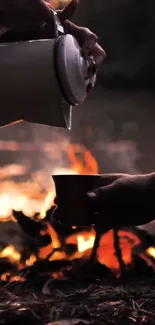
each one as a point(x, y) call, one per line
point(58, 28)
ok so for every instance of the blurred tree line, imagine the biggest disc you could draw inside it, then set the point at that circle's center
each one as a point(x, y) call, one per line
point(126, 30)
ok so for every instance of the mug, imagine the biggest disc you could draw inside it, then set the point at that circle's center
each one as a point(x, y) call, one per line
point(74, 206)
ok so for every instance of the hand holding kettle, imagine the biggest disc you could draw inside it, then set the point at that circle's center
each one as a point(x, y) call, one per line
point(36, 17)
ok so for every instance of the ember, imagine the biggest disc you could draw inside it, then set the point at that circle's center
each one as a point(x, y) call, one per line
point(85, 244)
point(151, 251)
point(11, 254)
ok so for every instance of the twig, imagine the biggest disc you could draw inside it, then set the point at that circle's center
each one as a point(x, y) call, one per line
point(93, 257)
point(119, 252)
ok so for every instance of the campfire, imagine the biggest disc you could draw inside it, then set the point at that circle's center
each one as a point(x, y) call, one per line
point(58, 253)
point(50, 272)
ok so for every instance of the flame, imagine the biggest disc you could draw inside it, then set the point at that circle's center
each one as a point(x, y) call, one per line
point(86, 165)
point(49, 201)
point(26, 197)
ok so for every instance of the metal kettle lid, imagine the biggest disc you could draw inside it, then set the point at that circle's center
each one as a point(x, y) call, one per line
point(71, 69)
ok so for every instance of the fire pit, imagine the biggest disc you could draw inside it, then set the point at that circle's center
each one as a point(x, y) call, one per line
point(52, 271)
point(49, 279)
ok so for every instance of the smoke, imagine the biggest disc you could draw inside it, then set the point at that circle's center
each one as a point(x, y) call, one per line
point(50, 157)
point(37, 148)
point(120, 152)
point(110, 129)
point(115, 127)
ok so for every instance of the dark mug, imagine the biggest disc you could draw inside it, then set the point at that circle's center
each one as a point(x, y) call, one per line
point(74, 207)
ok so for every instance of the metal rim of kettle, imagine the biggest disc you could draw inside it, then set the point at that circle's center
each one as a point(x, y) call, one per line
point(72, 97)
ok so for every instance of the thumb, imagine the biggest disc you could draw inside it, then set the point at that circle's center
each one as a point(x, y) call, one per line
point(103, 196)
point(101, 202)
point(68, 11)
point(103, 191)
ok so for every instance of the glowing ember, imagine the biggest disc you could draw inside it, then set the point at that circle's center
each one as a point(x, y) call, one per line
point(32, 259)
point(58, 256)
point(83, 244)
point(11, 253)
point(84, 241)
point(7, 276)
point(45, 251)
point(54, 236)
point(151, 251)
point(107, 252)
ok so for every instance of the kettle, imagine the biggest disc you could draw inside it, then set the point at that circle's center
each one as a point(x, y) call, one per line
point(43, 79)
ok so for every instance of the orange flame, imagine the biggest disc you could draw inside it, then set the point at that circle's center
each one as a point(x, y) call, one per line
point(86, 165)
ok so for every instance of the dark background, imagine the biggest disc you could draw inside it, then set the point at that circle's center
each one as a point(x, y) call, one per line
point(117, 121)
point(126, 29)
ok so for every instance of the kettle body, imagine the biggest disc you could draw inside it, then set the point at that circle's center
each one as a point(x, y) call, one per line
point(42, 80)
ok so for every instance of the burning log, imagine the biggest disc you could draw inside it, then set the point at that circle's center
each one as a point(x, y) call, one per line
point(30, 226)
point(97, 291)
point(77, 248)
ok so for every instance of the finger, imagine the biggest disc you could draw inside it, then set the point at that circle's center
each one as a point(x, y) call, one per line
point(102, 202)
point(107, 179)
point(84, 36)
point(101, 193)
point(98, 54)
point(89, 42)
point(68, 11)
point(91, 84)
